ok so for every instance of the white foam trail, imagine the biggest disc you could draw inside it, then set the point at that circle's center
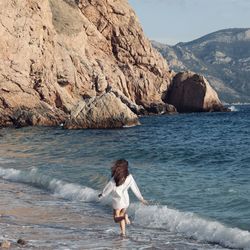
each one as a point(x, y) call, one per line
point(190, 225)
point(241, 103)
point(233, 108)
point(129, 126)
point(73, 191)
point(58, 187)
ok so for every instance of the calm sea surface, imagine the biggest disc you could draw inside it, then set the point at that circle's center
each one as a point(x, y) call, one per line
point(193, 168)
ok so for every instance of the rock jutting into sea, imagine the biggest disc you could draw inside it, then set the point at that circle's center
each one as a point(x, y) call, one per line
point(190, 92)
point(85, 64)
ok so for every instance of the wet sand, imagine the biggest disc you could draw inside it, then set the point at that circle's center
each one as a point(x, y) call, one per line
point(41, 219)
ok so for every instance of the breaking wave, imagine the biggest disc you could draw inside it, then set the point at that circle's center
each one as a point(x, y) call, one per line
point(60, 188)
point(190, 225)
point(233, 108)
point(153, 216)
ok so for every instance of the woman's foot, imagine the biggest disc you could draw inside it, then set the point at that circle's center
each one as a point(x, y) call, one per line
point(127, 219)
point(123, 235)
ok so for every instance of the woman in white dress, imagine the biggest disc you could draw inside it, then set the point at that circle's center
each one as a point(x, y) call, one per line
point(118, 187)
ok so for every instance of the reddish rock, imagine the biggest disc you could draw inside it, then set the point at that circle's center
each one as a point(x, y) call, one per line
point(57, 52)
point(190, 92)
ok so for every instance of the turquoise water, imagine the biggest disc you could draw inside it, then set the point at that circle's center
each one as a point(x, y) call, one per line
point(193, 168)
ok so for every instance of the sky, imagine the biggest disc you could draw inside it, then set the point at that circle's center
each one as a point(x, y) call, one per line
point(173, 21)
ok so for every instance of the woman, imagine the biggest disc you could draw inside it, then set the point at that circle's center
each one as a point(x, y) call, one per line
point(118, 186)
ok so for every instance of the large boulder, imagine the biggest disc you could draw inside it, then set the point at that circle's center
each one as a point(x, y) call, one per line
point(105, 111)
point(190, 92)
point(54, 53)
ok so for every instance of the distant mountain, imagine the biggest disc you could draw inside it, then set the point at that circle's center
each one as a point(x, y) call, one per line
point(223, 57)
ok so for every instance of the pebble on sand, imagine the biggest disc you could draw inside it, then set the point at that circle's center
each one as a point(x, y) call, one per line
point(5, 244)
point(21, 242)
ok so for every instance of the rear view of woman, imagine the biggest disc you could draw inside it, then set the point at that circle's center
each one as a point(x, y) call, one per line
point(118, 187)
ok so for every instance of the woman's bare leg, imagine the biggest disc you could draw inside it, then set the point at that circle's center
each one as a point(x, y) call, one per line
point(127, 220)
point(119, 216)
point(123, 223)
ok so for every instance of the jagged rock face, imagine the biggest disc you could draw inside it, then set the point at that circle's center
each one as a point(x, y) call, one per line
point(191, 92)
point(144, 75)
point(56, 53)
point(105, 111)
point(223, 57)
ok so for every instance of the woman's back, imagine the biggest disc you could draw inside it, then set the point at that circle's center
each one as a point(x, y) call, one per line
point(120, 197)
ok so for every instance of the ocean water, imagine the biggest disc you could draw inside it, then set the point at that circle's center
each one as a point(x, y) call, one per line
point(193, 168)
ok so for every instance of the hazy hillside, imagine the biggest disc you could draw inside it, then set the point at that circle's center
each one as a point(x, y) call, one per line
point(223, 57)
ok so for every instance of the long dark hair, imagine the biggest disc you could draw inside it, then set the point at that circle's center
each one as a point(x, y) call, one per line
point(119, 171)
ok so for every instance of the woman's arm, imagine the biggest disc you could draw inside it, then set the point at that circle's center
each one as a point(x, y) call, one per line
point(107, 190)
point(135, 189)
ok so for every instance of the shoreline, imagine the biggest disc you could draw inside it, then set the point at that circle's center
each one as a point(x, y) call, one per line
point(46, 221)
point(39, 218)
point(60, 125)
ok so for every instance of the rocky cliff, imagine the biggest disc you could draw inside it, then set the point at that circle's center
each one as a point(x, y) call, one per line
point(223, 57)
point(63, 61)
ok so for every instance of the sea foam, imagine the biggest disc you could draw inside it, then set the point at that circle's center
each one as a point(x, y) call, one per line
point(59, 188)
point(190, 225)
point(233, 108)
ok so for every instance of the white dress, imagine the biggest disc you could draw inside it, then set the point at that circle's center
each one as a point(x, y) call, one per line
point(120, 197)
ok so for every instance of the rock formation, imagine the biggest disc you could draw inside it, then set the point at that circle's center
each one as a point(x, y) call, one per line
point(59, 55)
point(190, 92)
point(105, 111)
point(55, 53)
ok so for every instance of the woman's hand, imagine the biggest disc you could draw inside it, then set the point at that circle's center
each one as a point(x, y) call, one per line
point(144, 202)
